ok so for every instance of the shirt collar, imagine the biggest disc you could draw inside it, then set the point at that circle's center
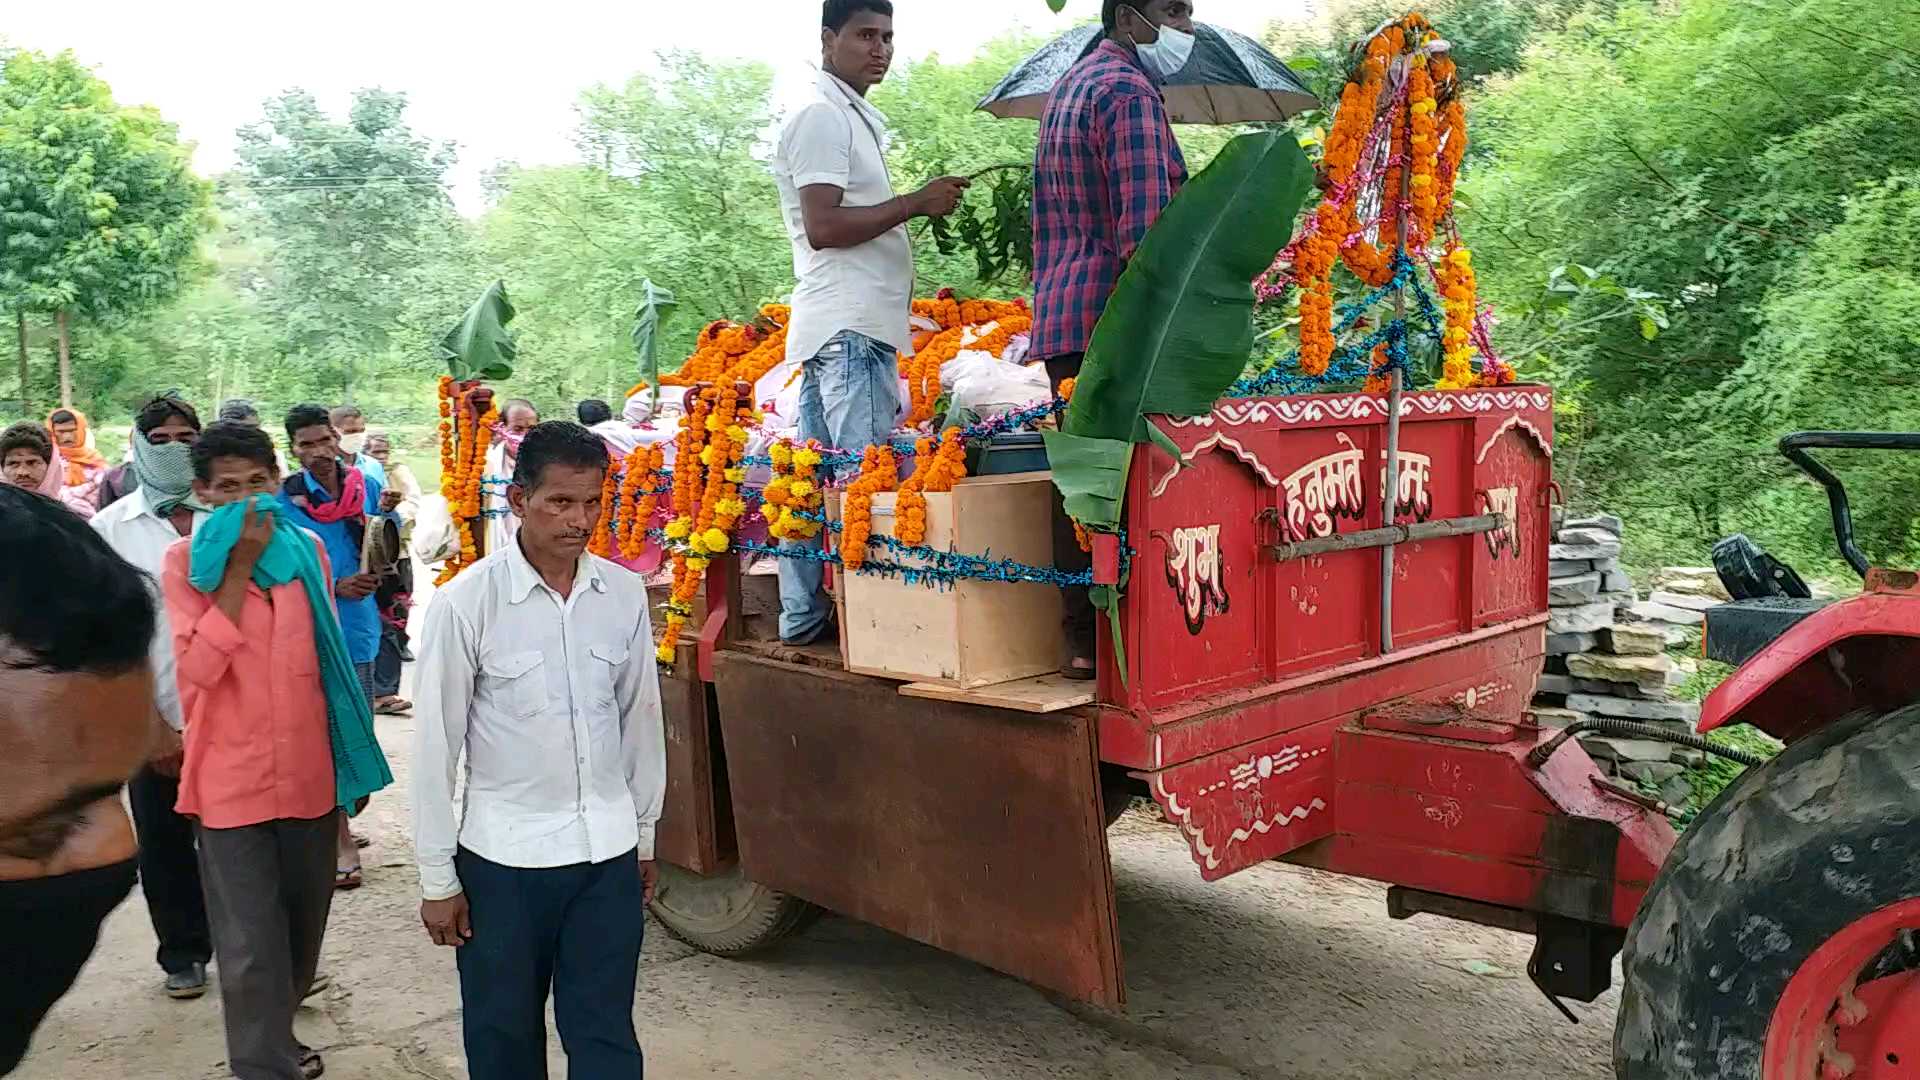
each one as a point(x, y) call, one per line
point(835, 89)
point(1128, 56)
point(522, 578)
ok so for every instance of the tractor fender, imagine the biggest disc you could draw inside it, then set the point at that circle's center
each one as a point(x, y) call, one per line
point(1805, 678)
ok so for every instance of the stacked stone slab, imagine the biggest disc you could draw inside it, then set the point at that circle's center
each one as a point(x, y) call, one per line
point(1604, 659)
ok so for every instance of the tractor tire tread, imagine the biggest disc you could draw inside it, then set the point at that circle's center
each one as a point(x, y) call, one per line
point(1706, 957)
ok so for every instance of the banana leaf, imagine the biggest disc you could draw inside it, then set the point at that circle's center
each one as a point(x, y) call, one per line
point(479, 347)
point(1178, 327)
point(656, 304)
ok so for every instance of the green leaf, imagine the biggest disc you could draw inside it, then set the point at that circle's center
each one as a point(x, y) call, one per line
point(656, 304)
point(479, 346)
point(1058, 6)
point(1091, 475)
point(1165, 442)
point(1178, 328)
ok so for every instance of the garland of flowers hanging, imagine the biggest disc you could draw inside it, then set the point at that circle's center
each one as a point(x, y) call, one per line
point(700, 531)
point(987, 326)
point(1387, 134)
point(879, 471)
point(463, 455)
point(792, 499)
point(934, 470)
point(640, 493)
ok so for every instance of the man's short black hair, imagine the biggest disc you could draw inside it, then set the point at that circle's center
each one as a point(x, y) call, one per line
point(231, 438)
point(161, 408)
point(239, 409)
point(1110, 15)
point(63, 416)
point(26, 435)
point(77, 606)
point(594, 411)
point(556, 442)
point(306, 416)
point(835, 13)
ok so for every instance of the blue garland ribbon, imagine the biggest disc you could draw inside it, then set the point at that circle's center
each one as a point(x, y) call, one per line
point(1352, 362)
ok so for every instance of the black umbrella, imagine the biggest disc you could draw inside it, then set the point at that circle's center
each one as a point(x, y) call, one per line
point(1229, 79)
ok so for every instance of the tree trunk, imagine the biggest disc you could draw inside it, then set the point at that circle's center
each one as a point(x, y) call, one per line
point(26, 390)
point(66, 364)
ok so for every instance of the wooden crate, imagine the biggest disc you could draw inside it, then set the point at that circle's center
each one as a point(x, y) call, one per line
point(976, 633)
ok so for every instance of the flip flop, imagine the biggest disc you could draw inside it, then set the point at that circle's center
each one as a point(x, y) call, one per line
point(393, 707)
point(1080, 668)
point(347, 878)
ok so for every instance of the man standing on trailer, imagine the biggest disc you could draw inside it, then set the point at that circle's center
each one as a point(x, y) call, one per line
point(1105, 166)
point(538, 662)
point(851, 259)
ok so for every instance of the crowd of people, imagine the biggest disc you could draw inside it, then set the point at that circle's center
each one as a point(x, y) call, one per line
point(247, 605)
point(268, 589)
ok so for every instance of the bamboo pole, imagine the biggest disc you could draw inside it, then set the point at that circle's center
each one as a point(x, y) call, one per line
point(1387, 536)
point(1390, 486)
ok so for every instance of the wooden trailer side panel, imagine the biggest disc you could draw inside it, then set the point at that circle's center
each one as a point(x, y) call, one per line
point(978, 831)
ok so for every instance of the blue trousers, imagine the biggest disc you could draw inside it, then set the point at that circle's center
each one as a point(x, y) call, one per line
point(573, 931)
point(849, 397)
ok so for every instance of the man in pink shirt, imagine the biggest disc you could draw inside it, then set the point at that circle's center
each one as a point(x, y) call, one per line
point(258, 777)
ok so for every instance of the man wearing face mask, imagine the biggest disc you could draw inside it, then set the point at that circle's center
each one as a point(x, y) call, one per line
point(1105, 166)
point(140, 528)
point(351, 423)
point(76, 708)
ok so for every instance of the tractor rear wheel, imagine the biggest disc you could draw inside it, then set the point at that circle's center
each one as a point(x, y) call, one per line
point(726, 914)
point(1781, 940)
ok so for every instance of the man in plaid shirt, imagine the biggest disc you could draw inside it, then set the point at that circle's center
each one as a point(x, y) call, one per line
point(1105, 167)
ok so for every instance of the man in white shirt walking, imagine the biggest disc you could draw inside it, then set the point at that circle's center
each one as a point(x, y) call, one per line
point(140, 527)
point(851, 258)
point(538, 662)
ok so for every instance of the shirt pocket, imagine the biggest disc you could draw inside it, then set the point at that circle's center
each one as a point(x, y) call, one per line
point(603, 671)
point(516, 683)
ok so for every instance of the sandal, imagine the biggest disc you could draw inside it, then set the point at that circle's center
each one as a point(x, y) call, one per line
point(311, 1067)
point(1080, 669)
point(346, 878)
point(393, 706)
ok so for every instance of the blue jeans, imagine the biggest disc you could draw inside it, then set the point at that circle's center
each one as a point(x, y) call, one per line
point(572, 930)
point(849, 396)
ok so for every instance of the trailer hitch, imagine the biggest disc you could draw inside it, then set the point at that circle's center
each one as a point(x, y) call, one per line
point(1572, 958)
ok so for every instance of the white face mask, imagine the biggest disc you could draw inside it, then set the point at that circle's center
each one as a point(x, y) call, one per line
point(354, 443)
point(1169, 53)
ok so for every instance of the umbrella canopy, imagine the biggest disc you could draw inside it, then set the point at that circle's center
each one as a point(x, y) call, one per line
point(1230, 79)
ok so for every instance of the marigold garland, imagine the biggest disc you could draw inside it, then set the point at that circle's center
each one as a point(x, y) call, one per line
point(1455, 273)
point(933, 471)
point(878, 472)
point(996, 322)
point(792, 499)
point(1426, 143)
point(463, 459)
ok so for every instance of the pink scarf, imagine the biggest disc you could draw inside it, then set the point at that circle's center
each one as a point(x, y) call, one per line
point(351, 503)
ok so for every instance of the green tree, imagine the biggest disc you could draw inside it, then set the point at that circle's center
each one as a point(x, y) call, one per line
point(362, 252)
point(1699, 150)
point(102, 212)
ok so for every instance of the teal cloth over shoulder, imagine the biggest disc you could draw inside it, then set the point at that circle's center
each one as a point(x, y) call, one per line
point(359, 766)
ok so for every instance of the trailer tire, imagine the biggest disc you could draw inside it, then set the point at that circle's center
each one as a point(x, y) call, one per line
point(726, 914)
point(1794, 855)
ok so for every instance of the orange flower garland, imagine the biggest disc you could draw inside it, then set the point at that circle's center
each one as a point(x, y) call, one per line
point(697, 535)
point(878, 472)
point(922, 369)
point(602, 542)
point(934, 471)
point(1424, 152)
point(1455, 272)
point(462, 464)
point(1313, 266)
point(637, 494)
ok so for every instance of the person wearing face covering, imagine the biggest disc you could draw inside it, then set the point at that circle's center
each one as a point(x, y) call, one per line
point(76, 719)
point(1105, 165)
point(159, 511)
point(351, 424)
point(29, 460)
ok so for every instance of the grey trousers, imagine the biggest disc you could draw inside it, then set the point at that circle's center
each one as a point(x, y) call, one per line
point(269, 887)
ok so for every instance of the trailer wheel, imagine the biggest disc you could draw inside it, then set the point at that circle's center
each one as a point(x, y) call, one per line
point(726, 914)
point(1781, 940)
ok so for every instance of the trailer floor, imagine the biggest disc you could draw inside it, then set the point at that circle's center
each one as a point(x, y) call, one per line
point(1278, 972)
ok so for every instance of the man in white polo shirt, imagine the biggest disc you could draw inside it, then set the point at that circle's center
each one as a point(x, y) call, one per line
point(852, 259)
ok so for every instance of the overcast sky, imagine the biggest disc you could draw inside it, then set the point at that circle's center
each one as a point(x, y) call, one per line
point(498, 79)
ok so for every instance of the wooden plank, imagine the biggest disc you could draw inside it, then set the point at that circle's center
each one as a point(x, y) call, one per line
point(1041, 694)
point(977, 831)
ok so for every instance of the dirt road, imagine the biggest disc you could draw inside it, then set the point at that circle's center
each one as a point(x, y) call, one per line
point(1275, 973)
